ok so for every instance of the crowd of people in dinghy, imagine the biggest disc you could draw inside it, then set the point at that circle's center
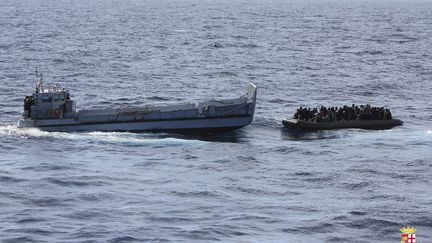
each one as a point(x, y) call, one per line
point(347, 113)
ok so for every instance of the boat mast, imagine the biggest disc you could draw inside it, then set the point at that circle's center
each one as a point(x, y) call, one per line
point(39, 86)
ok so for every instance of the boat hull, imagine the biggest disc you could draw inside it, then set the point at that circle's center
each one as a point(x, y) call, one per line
point(203, 117)
point(372, 125)
point(198, 125)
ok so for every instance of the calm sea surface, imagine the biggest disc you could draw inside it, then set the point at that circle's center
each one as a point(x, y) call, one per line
point(259, 184)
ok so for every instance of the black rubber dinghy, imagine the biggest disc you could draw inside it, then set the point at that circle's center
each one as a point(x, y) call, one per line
point(362, 124)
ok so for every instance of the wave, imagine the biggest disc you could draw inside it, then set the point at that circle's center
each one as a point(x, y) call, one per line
point(130, 239)
point(369, 52)
point(215, 45)
point(76, 182)
point(10, 179)
point(126, 138)
point(383, 137)
point(5, 46)
point(157, 98)
point(267, 123)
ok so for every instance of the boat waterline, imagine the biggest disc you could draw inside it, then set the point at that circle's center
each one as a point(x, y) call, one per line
point(189, 125)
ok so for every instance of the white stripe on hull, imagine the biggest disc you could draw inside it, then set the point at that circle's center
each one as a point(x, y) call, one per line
point(214, 123)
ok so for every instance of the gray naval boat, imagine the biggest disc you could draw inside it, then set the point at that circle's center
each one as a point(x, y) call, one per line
point(52, 109)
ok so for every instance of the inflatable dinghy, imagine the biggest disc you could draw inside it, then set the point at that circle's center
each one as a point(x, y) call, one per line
point(362, 124)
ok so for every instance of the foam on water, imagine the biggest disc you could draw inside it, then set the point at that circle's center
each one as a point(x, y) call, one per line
point(107, 137)
point(392, 135)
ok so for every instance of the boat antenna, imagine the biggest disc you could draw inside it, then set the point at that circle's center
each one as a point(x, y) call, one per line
point(40, 84)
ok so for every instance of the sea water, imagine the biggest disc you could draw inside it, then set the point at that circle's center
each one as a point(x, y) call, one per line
point(261, 183)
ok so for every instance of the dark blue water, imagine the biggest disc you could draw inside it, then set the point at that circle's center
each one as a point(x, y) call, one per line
point(259, 184)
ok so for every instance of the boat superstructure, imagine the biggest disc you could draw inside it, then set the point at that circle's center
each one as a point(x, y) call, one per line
point(52, 109)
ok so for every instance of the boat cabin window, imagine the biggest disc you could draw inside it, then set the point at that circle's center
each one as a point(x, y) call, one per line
point(46, 99)
point(54, 97)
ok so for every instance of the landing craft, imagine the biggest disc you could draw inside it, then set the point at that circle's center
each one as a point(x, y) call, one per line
point(52, 109)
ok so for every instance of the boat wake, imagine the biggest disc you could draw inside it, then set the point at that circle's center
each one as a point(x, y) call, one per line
point(125, 138)
point(394, 136)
